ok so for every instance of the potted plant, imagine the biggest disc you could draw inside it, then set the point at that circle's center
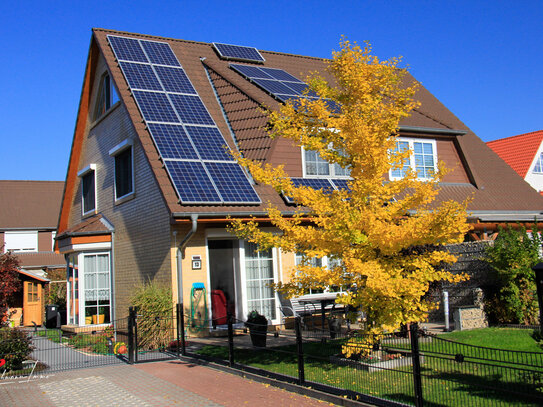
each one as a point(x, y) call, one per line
point(258, 327)
point(88, 316)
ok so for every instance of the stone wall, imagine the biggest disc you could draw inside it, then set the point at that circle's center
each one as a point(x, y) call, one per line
point(471, 262)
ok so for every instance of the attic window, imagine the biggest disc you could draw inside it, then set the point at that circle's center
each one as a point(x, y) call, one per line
point(538, 169)
point(422, 158)
point(316, 166)
point(107, 96)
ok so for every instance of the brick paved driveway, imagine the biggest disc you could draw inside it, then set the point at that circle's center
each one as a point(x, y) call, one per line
point(173, 383)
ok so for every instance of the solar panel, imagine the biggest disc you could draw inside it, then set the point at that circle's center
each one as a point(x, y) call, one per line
point(281, 75)
point(191, 109)
point(315, 183)
point(209, 142)
point(174, 80)
point(192, 183)
point(140, 76)
point(194, 151)
point(251, 71)
point(127, 49)
point(160, 53)
point(172, 141)
point(341, 184)
point(238, 52)
point(229, 179)
point(281, 84)
point(155, 107)
point(275, 87)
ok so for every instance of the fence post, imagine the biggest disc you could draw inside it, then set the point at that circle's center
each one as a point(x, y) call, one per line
point(131, 335)
point(181, 330)
point(230, 340)
point(415, 354)
point(300, 347)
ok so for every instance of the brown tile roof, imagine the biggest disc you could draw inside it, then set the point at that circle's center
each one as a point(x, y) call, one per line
point(41, 259)
point(30, 204)
point(518, 151)
point(495, 186)
point(92, 225)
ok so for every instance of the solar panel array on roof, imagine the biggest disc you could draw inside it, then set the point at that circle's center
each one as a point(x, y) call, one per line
point(188, 140)
point(238, 52)
point(280, 84)
point(326, 184)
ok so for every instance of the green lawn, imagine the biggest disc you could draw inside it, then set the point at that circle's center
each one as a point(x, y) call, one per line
point(445, 381)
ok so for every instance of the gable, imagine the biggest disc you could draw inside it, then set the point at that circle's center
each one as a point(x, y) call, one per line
point(519, 152)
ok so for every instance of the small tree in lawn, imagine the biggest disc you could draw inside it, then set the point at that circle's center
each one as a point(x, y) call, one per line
point(384, 235)
point(9, 284)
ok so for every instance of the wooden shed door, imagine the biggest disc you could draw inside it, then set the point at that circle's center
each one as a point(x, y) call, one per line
point(32, 303)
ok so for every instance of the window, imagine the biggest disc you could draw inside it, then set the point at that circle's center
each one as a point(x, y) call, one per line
point(23, 241)
point(88, 189)
point(124, 175)
point(259, 277)
point(538, 169)
point(321, 262)
point(89, 292)
point(107, 96)
point(32, 292)
point(422, 158)
point(316, 166)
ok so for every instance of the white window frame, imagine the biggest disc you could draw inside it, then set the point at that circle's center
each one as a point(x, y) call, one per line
point(243, 273)
point(331, 168)
point(82, 173)
point(538, 163)
point(30, 236)
point(81, 287)
point(412, 163)
point(110, 95)
point(324, 263)
point(119, 148)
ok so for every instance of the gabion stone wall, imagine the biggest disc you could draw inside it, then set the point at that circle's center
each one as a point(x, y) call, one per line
point(471, 262)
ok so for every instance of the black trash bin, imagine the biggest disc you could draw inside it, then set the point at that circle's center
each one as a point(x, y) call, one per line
point(52, 319)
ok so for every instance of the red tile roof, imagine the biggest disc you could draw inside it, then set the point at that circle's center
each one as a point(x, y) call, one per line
point(518, 151)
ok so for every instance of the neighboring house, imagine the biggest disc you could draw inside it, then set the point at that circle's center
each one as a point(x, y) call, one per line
point(29, 213)
point(149, 178)
point(524, 154)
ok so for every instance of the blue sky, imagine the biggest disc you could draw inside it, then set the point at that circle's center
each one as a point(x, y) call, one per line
point(483, 60)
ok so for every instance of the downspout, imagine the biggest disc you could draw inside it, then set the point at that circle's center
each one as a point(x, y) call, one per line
point(180, 250)
point(180, 306)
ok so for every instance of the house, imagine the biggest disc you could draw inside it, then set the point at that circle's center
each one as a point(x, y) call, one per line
point(29, 213)
point(524, 154)
point(149, 185)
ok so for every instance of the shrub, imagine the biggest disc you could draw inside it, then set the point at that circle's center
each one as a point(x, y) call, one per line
point(513, 300)
point(155, 321)
point(15, 347)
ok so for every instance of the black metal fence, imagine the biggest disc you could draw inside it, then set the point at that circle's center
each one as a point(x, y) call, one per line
point(415, 368)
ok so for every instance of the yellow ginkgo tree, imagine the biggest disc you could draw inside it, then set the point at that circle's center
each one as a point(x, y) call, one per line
point(384, 237)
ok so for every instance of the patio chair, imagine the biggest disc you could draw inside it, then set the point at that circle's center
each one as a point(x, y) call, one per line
point(292, 308)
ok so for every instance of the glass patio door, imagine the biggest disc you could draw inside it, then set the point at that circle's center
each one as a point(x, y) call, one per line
point(259, 275)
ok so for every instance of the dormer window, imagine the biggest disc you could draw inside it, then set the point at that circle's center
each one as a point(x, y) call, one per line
point(422, 158)
point(88, 189)
point(538, 169)
point(107, 96)
point(316, 166)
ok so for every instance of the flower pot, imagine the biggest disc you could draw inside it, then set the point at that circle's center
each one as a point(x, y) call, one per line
point(335, 327)
point(88, 320)
point(258, 334)
point(98, 319)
